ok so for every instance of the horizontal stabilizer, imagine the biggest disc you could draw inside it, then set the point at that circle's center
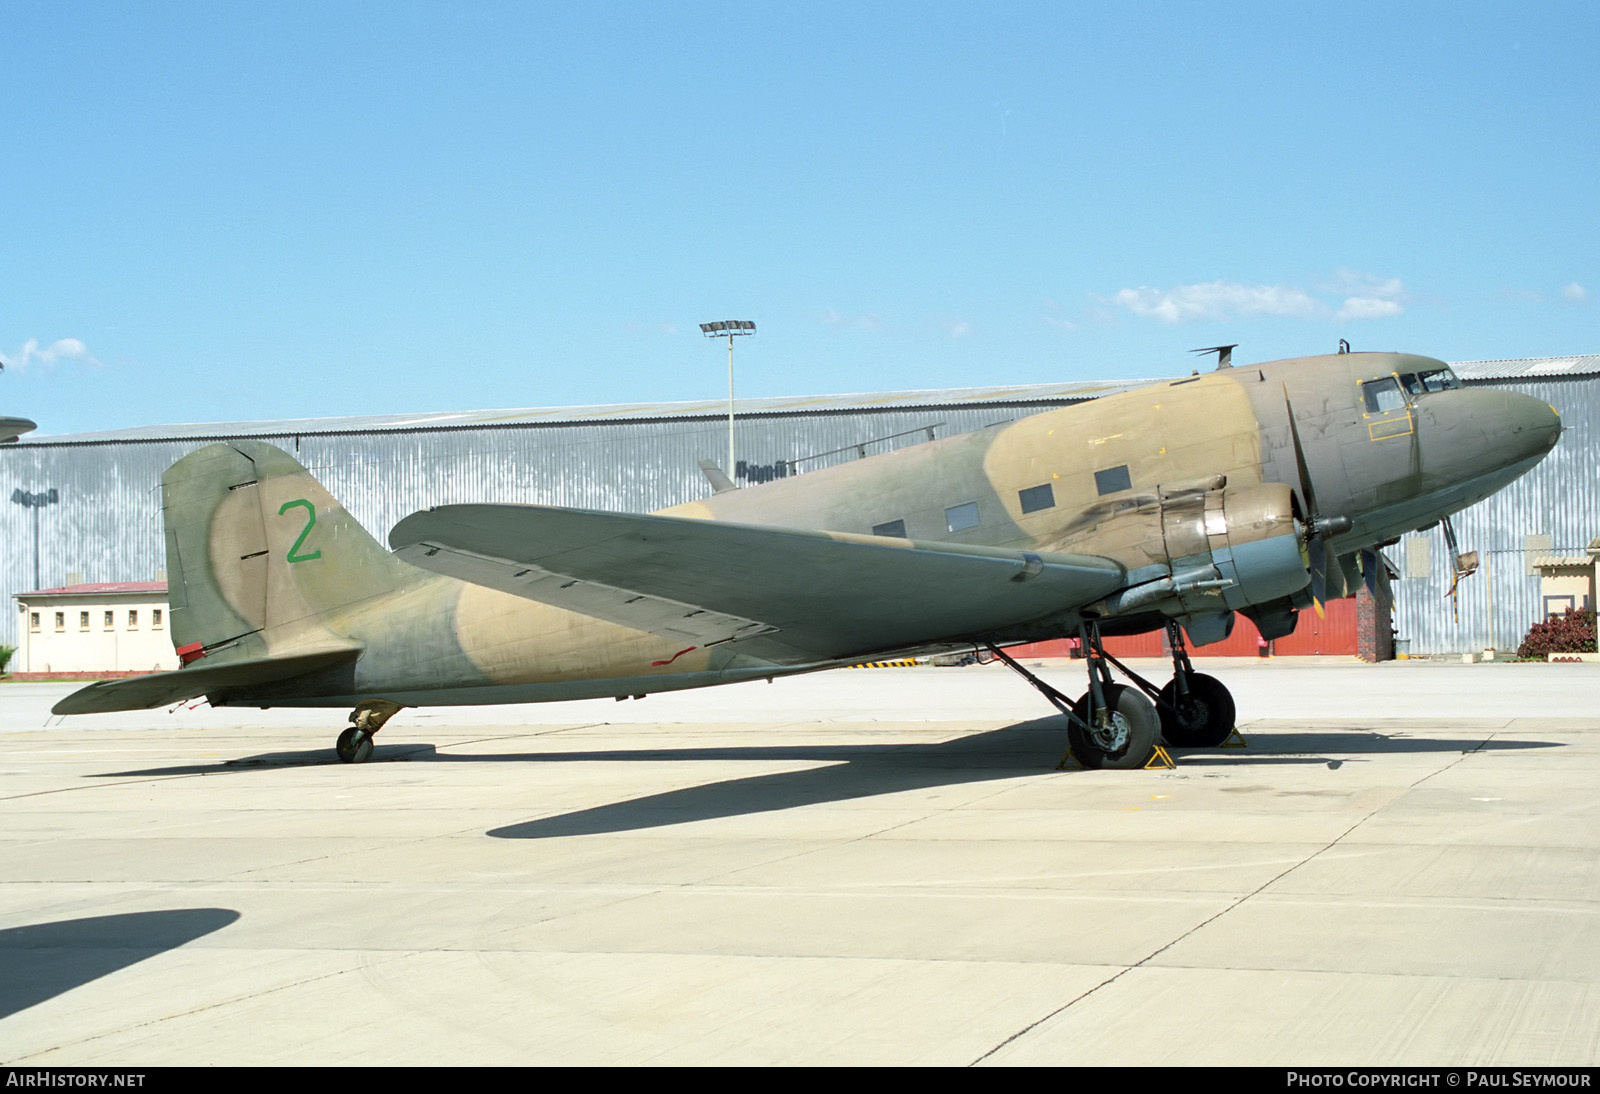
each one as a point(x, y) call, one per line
point(158, 689)
point(819, 594)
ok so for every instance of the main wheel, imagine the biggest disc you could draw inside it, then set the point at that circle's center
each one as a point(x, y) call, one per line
point(1129, 736)
point(1203, 720)
point(354, 746)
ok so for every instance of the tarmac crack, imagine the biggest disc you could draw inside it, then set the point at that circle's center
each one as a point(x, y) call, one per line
point(1240, 902)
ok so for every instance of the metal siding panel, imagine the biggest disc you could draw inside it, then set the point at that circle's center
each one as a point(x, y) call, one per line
point(1560, 497)
point(107, 525)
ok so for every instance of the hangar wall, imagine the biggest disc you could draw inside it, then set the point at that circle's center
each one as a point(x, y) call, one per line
point(1560, 499)
point(106, 523)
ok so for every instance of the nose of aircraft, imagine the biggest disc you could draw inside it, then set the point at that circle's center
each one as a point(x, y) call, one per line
point(1530, 427)
point(1483, 430)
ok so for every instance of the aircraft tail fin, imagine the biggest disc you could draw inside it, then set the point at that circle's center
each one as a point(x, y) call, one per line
point(259, 554)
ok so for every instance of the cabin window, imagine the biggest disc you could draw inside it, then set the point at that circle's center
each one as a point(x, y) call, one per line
point(1382, 396)
point(963, 516)
point(83, 621)
point(896, 528)
point(1113, 479)
point(1035, 498)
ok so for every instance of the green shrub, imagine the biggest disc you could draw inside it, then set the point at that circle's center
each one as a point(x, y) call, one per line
point(1573, 632)
point(5, 656)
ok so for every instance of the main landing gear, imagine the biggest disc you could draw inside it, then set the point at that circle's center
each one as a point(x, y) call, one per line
point(355, 744)
point(1196, 710)
point(1118, 726)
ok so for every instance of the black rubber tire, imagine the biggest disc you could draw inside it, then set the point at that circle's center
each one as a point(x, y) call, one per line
point(1143, 726)
point(354, 746)
point(1205, 720)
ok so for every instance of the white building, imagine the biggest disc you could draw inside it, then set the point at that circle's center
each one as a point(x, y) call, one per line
point(107, 627)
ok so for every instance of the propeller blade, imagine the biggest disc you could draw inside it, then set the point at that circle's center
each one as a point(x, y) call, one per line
point(1319, 578)
point(1306, 493)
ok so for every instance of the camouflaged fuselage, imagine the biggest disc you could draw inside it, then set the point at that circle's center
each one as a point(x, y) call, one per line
point(266, 563)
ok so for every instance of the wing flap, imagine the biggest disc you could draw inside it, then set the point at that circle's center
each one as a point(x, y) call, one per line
point(820, 594)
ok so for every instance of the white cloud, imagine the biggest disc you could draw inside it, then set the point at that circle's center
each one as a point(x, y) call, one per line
point(1355, 283)
point(1575, 293)
point(868, 322)
point(956, 328)
point(1368, 307)
point(1365, 297)
point(62, 349)
point(1219, 300)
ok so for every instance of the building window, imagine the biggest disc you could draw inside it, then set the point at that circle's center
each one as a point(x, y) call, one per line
point(33, 622)
point(896, 528)
point(963, 516)
point(61, 621)
point(133, 620)
point(1559, 605)
point(83, 621)
point(155, 618)
point(1035, 498)
point(110, 622)
point(1113, 479)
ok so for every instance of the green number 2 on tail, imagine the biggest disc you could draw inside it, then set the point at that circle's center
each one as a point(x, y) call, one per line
point(311, 521)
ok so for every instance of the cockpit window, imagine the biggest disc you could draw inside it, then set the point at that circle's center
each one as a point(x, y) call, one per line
point(1440, 379)
point(1409, 381)
point(1383, 395)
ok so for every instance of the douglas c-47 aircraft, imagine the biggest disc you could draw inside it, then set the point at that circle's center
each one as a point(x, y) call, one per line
point(1262, 489)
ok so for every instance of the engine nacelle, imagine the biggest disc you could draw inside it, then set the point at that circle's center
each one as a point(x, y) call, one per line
point(1223, 549)
point(1246, 537)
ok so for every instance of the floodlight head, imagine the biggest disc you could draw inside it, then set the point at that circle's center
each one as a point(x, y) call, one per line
point(727, 328)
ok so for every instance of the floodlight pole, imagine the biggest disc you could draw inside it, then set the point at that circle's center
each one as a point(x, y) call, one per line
point(36, 502)
point(730, 328)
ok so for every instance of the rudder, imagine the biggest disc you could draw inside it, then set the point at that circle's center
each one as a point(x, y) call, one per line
point(258, 551)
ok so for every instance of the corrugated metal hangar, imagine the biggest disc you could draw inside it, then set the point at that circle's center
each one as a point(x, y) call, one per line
point(103, 523)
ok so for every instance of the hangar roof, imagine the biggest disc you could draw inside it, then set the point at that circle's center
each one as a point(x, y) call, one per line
point(1058, 393)
point(1008, 394)
point(1584, 364)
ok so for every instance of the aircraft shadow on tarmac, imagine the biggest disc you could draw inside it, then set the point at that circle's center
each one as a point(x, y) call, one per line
point(42, 960)
point(1013, 751)
point(857, 770)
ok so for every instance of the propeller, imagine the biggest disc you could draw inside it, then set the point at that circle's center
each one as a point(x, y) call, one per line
point(1317, 548)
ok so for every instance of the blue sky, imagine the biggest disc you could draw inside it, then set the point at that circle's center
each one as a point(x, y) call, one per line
point(260, 210)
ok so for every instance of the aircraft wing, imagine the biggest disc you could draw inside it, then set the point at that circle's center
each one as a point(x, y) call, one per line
point(821, 594)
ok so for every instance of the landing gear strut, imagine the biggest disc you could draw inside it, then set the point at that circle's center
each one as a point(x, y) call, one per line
point(1111, 725)
point(355, 744)
point(1197, 711)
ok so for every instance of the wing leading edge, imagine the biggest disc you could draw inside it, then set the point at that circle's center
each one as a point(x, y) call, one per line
point(821, 595)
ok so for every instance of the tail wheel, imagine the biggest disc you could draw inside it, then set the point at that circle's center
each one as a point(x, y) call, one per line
point(354, 746)
point(1202, 720)
point(1128, 737)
